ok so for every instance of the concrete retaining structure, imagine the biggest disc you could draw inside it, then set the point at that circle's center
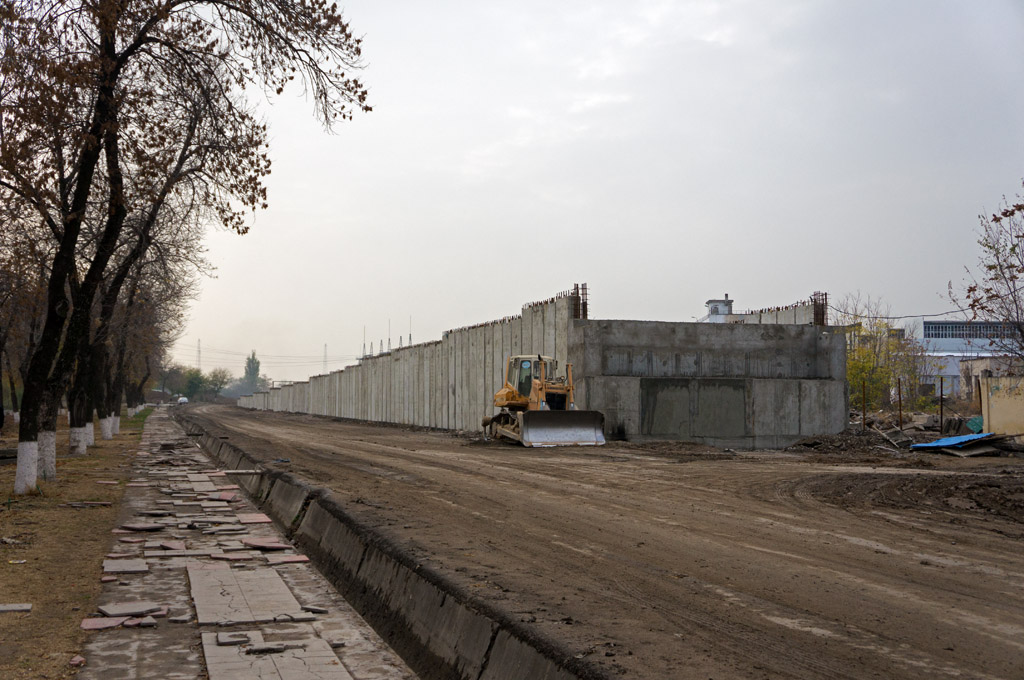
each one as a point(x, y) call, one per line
point(736, 385)
point(438, 628)
point(740, 386)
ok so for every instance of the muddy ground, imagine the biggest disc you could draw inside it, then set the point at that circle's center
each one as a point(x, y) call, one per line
point(840, 559)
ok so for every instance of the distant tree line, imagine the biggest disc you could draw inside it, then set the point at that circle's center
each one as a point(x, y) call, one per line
point(176, 380)
point(125, 129)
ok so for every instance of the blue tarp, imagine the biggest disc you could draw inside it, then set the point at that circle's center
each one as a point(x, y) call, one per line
point(953, 442)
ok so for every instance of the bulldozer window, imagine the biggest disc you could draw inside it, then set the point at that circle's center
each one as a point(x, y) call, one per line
point(524, 383)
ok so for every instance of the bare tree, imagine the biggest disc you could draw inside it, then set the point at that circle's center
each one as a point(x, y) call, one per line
point(994, 289)
point(83, 95)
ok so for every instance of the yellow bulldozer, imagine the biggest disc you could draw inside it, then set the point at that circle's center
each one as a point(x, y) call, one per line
point(539, 409)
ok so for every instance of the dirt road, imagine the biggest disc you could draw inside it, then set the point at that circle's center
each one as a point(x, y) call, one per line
point(672, 561)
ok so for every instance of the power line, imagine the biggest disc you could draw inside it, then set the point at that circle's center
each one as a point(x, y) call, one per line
point(905, 316)
point(234, 353)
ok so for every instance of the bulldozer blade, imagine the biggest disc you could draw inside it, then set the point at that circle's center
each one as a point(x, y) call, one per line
point(562, 428)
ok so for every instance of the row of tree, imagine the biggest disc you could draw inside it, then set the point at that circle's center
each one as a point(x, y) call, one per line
point(125, 129)
point(192, 383)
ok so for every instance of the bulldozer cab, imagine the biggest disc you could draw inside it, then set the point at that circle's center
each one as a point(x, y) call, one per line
point(522, 371)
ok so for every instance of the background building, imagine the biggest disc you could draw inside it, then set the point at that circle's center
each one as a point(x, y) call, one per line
point(948, 344)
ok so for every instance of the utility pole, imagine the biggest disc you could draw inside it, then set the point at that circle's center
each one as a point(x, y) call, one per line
point(199, 355)
point(325, 359)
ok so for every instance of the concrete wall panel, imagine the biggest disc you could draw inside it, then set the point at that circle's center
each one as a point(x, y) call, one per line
point(746, 383)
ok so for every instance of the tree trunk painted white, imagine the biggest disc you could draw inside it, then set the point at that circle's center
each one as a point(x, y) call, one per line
point(25, 475)
point(77, 441)
point(106, 428)
point(90, 434)
point(17, 417)
point(47, 464)
point(115, 422)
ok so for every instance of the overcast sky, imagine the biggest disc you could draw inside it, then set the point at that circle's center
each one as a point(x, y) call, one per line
point(663, 152)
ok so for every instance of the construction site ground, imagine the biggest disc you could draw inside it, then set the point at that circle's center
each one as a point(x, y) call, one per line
point(837, 559)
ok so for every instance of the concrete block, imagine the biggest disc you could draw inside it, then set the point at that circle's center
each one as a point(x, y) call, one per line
point(513, 659)
point(721, 409)
point(665, 411)
point(342, 545)
point(824, 407)
point(285, 499)
point(776, 407)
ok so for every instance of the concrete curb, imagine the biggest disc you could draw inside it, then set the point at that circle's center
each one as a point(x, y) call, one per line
point(438, 628)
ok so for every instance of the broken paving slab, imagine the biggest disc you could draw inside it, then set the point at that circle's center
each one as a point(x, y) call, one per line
point(140, 622)
point(310, 658)
point(102, 622)
point(125, 567)
point(172, 545)
point(286, 559)
point(176, 553)
point(229, 639)
point(253, 518)
point(249, 596)
point(140, 608)
point(225, 530)
point(15, 607)
point(142, 526)
point(265, 544)
point(233, 556)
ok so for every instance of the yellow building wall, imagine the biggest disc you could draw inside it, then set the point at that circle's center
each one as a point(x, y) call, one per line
point(1002, 404)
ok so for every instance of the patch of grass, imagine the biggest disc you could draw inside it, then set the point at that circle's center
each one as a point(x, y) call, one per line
point(62, 549)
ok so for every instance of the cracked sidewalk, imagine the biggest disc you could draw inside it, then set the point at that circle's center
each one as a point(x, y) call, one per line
point(204, 586)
